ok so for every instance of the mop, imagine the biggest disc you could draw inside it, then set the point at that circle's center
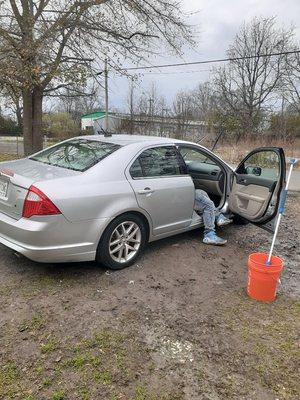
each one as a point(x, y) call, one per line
point(281, 208)
point(264, 270)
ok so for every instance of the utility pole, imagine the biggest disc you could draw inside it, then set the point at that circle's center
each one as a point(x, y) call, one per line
point(164, 113)
point(131, 105)
point(150, 106)
point(106, 94)
point(151, 101)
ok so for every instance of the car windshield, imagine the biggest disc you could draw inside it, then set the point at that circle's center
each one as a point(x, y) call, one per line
point(77, 154)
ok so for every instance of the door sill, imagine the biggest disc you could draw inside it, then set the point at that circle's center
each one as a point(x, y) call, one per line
point(196, 219)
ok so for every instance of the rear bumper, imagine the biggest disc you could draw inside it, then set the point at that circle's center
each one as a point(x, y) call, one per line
point(52, 239)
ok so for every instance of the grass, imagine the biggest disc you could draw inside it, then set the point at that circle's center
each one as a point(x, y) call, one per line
point(143, 393)
point(103, 377)
point(61, 395)
point(109, 359)
point(35, 324)
point(77, 362)
point(270, 342)
point(47, 382)
point(38, 284)
point(95, 364)
point(9, 373)
point(7, 157)
point(85, 393)
point(49, 347)
point(9, 379)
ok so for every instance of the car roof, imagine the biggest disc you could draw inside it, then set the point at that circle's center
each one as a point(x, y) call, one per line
point(123, 139)
point(140, 141)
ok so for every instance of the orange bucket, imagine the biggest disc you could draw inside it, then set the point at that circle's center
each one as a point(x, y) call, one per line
point(262, 278)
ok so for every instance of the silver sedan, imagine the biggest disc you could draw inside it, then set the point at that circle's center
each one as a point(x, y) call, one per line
point(103, 198)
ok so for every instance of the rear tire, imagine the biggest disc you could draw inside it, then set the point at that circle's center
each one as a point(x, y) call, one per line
point(122, 242)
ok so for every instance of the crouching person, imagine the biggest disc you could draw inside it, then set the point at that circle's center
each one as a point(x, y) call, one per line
point(211, 217)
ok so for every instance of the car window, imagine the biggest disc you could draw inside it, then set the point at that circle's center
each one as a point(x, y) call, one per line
point(158, 161)
point(136, 169)
point(77, 154)
point(265, 164)
point(196, 158)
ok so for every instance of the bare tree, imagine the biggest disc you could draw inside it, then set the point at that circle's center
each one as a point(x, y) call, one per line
point(204, 102)
point(150, 108)
point(133, 103)
point(247, 86)
point(291, 83)
point(46, 45)
point(13, 101)
point(156, 100)
point(81, 100)
point(183, 113)
point(142, 107)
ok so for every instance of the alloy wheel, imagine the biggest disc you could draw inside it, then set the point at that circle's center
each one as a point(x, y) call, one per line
point(125, 241)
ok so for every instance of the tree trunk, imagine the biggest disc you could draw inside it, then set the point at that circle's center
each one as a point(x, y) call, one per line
point(19, 113)
point(32, 120)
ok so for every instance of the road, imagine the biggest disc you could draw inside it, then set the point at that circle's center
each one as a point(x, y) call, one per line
point(295, 182)
point(12, 147)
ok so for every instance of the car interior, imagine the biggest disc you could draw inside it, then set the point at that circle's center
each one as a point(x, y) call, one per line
point(256, 185)
point(206, 173)
point(158, 161)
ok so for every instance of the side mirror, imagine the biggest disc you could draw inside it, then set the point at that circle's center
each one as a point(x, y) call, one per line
point(253, 171)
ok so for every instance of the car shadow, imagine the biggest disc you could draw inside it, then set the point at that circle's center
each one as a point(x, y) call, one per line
point(80, 270)
point(60, 270)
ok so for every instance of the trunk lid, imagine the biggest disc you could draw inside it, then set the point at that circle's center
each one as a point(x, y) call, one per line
point(17, 176)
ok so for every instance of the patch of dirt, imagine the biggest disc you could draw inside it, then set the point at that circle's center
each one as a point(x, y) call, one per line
point(176, 326)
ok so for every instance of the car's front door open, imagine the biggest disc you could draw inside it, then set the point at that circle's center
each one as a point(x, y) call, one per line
point(256, 185)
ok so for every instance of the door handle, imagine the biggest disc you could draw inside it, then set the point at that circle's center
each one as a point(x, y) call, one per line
point(147, 190)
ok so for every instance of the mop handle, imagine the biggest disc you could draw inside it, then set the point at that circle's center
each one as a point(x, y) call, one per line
point(281, 208)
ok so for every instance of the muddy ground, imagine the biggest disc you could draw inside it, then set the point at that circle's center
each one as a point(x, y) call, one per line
point(176, 326)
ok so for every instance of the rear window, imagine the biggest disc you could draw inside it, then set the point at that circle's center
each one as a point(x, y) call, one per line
point(78, 155)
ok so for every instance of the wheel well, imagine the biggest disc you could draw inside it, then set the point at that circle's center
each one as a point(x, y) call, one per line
point(140, 215)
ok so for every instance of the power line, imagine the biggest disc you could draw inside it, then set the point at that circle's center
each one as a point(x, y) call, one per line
point(211, 61)
point(178, 72)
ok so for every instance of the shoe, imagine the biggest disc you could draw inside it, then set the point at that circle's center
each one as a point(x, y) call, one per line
point(212, 238)
point(222, 220)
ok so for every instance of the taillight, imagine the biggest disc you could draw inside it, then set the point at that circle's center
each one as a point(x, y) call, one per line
point(37, 203)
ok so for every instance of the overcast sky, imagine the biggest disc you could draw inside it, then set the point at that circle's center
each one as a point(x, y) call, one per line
point(217, 21)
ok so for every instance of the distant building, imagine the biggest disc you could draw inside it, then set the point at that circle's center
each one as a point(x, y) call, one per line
point(95, 121)
point(147, 125)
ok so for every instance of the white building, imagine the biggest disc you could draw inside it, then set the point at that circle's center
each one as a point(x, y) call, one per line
point(147, 125)
point(96, 120)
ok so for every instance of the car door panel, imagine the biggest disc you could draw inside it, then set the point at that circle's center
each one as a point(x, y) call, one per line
point(170, 203)
point(250, 200)
point(247, 180)
point(162, 188)
point(256, 198)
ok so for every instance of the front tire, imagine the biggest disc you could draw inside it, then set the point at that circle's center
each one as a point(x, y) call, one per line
point(122, 242)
